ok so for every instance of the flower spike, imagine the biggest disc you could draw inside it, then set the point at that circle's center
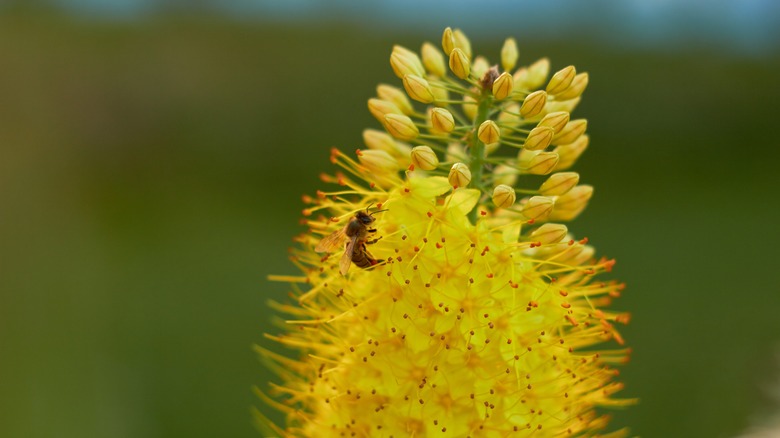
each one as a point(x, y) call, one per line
point(467, 307)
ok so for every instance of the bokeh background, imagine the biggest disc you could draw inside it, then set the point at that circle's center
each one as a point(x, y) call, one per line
point(153, 155)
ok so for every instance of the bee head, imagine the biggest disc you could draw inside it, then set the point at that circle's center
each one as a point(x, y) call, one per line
point(364, 217)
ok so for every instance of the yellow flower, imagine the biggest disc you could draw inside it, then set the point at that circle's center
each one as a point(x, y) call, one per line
point(430, 302)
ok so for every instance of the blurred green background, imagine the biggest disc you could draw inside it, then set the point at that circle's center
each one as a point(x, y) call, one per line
point(151, 170)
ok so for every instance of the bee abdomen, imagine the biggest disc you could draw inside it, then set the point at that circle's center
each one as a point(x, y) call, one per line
point(361, 258)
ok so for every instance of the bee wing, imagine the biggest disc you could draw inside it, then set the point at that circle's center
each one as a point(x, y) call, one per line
point(346, 259)
point(332, 242)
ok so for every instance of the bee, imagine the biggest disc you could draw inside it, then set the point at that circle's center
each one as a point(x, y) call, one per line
point(356, 233)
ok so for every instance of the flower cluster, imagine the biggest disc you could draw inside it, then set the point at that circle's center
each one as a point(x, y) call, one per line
point(479, 313)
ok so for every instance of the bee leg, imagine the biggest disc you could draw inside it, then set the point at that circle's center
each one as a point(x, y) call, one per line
point(371, 230)
point(371, 242)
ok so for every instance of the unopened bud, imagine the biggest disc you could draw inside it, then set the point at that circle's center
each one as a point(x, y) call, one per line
point(502, 87)
point(575, 89)
point(442, 120)
point(440, 94)
point(383, 141)
point(533, 104)
point(401, 127)
point(455, 152)
point(504, 174)
point(571, 152)
point(447, 41)
point(539, 138)
point(424, 158)
point(549, 233)
point(562, 105)
point(380, 108)
point(459, 63)
point(378, 140)
point(556, 120)
point(433, 60)
point(462, 42)
point(571, 204)
point(460, 175)
point(537, 74)
point(581, 257)
point(571, 132)
point(488, 132)
point(479, 68)
point(503, 196)
point(509, 54)
point(537, 163)
point(395, 96)
point(418, 88)
point(559, 183)
point(405, 62)
point(508, 118)
point(537, 207)
point(561, 80)
point(470, 109)
point(378, 161)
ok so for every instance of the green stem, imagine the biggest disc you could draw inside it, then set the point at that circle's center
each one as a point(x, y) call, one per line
point(477, 148)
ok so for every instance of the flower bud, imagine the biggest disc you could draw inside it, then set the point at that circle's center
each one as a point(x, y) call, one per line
point(433, 60)
point(447, 41)
point(537, 207)
point(460, 175)
point(533, 104)
point(378, 140)
point(502, 87)
point(488, 132)
point(455, 152)
point(559, 183)
point(383, 141)
point(561, 80)
point(469, 109)
point(504, 174)
point(575, 89)
point(405, 62)
point(479, 67)
point(509, 54)
point(539, 138)
point(459, 64)
point(508, 118)
point(571, 204)
point(535, 75)
point(537, 163)
point(549, 233)
point(442, 120)
point(440, 94)
point(571, 152)
point(396, 97)
point(503, 196)
point(556, 120)
point(581, 257)
point(380, 108)
point(462, 42)
point(401, 127)
point(424, 158)
point(418, 88)
point(562, 105)
point(571, 132)
point(377, 161)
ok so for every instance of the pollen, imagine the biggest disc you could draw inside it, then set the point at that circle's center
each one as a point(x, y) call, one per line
point(437, 297)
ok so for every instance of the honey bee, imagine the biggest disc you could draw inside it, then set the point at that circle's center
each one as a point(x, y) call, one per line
point(356, 232)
